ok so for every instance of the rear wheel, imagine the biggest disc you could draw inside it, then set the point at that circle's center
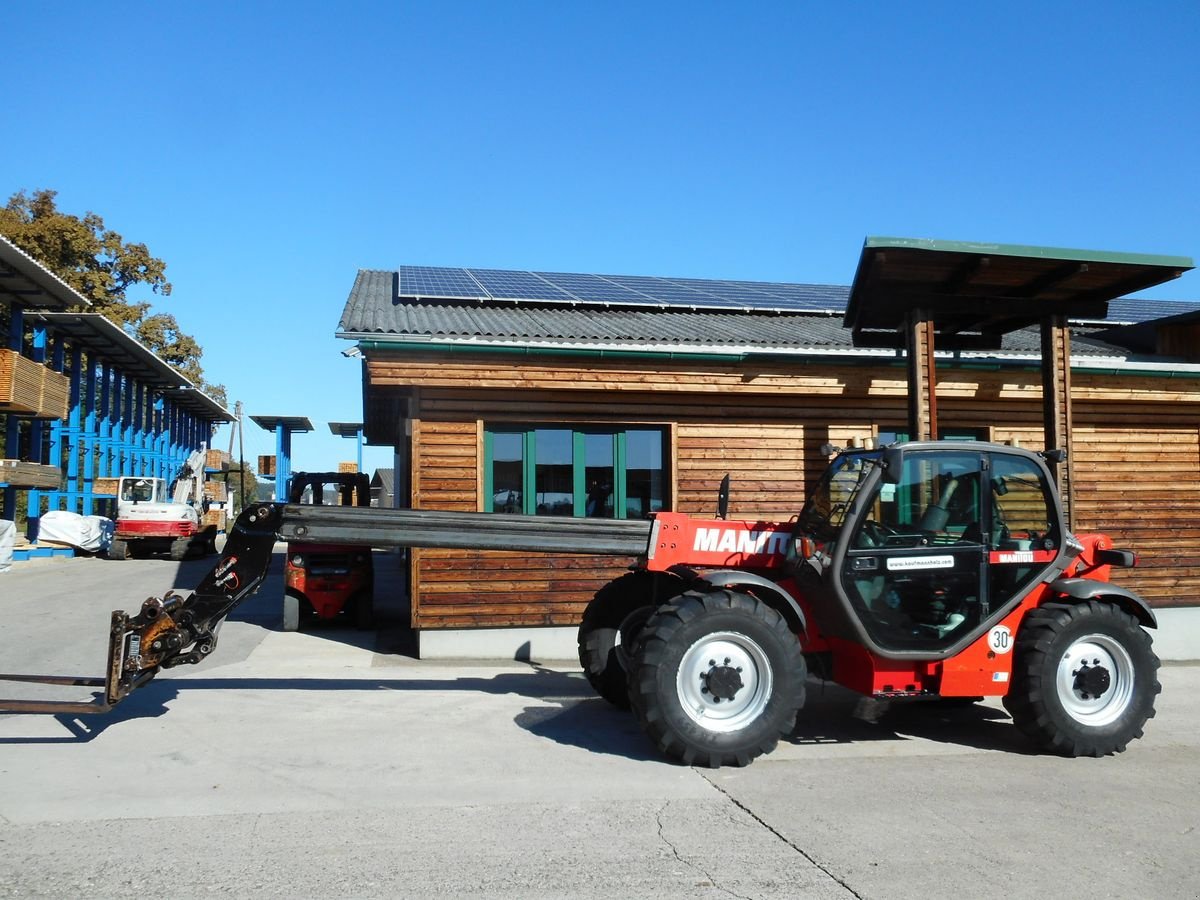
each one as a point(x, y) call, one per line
point(609, 631)
point(118, 549)
point(1084, 678)
point(294, 611)
point(718, 678)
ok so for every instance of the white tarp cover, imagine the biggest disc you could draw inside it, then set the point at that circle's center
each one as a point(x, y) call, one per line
point(91, 533)
point(8, 537)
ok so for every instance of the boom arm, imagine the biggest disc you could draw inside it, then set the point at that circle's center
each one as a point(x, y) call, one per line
point(176, 630)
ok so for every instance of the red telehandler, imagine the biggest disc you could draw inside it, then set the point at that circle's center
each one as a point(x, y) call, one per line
point(919, 570)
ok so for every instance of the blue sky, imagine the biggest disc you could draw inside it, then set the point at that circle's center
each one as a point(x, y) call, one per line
point(267, 151)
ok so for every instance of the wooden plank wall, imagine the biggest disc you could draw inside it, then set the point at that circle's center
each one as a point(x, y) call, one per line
point(1139, 482)
point(765, 427)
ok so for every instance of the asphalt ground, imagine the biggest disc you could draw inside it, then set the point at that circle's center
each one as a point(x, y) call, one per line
point(328, 763)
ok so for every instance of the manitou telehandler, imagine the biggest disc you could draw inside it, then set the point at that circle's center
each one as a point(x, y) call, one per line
point(919, 570)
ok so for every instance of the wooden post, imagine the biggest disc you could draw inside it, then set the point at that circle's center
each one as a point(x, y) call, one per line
point(922, 377)
point(1056, 404)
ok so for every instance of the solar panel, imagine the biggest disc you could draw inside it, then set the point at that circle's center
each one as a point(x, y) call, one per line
point(664, 291)
point(596, 289)
point(509, 285)
point(434, 281)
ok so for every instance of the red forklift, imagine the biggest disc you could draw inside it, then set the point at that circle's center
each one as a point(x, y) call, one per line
point(327, 581)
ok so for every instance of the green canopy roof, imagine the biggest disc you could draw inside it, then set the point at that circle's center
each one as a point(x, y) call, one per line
point(978, 292)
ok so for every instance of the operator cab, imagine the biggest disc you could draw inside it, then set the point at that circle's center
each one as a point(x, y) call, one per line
point(920, 547)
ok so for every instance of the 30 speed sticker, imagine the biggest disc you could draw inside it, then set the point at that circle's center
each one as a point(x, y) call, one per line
point(1000, 639)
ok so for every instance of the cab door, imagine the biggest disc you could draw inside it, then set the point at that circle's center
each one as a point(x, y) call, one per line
point(915, 569)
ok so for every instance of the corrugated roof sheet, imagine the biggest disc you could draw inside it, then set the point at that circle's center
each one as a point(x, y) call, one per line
point(374, 308)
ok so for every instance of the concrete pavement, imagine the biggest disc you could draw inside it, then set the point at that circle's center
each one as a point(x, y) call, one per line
point(311, 765)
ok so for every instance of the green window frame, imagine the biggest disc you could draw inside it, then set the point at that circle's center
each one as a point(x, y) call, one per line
point(514, 454)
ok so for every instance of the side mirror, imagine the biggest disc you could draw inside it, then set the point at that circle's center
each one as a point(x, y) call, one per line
point(723, 498)
point(1054, 456)
point(893, 464)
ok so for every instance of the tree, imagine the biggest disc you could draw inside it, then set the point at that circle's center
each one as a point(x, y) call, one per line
point(99, 264)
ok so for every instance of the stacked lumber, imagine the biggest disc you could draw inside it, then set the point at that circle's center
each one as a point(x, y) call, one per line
point(105, 486)
point(16, 473)
point(29, 387)
point(214, 518)
point(216, 490)
point(56, 395)
point(216, 460)
point(350, 467)
point(266, 465)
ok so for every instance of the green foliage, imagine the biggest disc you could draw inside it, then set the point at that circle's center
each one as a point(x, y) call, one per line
point(98, 263)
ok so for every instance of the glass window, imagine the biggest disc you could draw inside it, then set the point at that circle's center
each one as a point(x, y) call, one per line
point(507, 471)
point(595, 472)
point(913, 571)
point(888, 436)
point(554, 476)
point(644, 491)
point(599, 475)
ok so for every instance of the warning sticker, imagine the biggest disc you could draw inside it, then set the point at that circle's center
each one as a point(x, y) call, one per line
point(1000, 639)
point(912, 563)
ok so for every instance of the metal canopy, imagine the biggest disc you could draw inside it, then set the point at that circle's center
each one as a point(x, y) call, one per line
point(96, 334)
point(975, 293)
point(26, 282)
point(346, 429)
point(290, 423)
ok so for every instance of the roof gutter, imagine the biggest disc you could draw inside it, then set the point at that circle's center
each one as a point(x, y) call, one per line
point(808, 356)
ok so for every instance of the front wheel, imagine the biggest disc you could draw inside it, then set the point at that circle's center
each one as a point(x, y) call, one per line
point(718, 678)
point(1084, 678)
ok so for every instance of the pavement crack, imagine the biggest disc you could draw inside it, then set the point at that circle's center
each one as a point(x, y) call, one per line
point(662, 836)
point(781, 837)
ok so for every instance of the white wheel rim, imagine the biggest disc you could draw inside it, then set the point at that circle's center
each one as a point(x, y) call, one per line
point(715, 659)
point(1089, 653)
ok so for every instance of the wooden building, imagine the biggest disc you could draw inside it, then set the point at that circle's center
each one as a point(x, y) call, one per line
point(619, 396)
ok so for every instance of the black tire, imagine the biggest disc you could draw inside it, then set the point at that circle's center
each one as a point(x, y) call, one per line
point(118, 549)
point(1084, 678)
point(609, 631)
point(702, 650)
point(179, 549)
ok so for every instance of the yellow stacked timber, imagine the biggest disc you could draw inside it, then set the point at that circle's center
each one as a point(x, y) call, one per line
point(216, 490)
point(266, 465)
point(348, 467)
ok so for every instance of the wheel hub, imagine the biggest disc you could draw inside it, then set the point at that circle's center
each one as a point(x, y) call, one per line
point(1092, 680)
point(722, 682)
point(1095, 680)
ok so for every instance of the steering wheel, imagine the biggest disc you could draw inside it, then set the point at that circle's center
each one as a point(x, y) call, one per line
point(875, 534)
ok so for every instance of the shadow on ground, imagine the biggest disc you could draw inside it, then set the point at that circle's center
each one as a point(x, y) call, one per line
point(568, 713)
